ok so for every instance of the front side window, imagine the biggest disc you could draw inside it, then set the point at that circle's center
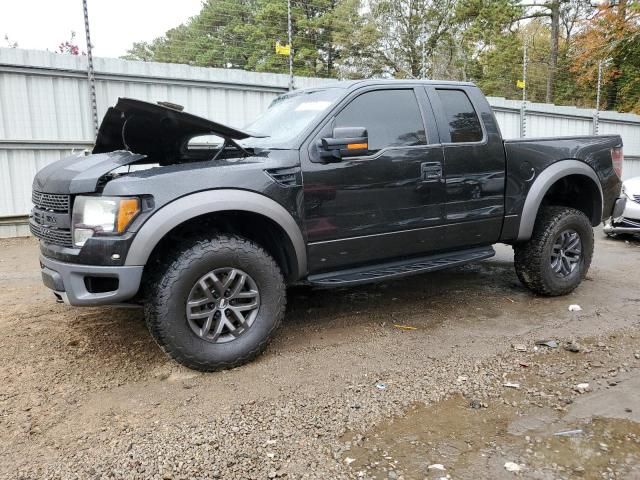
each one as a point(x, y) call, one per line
point(464, 125)
point(392, 118)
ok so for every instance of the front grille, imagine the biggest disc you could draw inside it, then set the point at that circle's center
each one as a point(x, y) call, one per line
point(51, 201)
point(636, 198)
point(627, 222)
point(51, 235)
point(48, 206)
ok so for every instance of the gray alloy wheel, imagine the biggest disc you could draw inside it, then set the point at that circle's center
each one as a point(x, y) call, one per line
point(222, 305)
point(557, 256)
point(566, 253)
point(216, 302)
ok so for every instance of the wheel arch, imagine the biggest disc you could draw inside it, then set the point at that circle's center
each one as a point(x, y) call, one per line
point(557, 185)
point(216, 204)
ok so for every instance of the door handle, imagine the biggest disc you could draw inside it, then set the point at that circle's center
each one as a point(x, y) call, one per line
point(430, 171)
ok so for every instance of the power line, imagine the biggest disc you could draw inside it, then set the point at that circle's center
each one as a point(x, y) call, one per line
point(224, 36)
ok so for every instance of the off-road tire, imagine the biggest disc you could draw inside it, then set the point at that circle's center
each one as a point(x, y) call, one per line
point(170, 287)
point(532, 258)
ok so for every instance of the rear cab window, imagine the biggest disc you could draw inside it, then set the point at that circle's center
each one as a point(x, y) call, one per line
point(460, 116)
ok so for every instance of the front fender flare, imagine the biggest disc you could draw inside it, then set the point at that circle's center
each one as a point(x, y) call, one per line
point(541, 186)
point(211, 201)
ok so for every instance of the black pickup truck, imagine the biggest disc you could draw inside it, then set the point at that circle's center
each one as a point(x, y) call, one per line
point(205, 225)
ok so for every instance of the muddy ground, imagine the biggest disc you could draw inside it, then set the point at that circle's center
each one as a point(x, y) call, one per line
point(342, 391)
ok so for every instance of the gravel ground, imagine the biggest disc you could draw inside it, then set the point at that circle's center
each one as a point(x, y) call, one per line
point(342, 391)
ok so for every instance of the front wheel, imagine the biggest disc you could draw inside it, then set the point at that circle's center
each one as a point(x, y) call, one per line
point(216, 304)
point(557, 257)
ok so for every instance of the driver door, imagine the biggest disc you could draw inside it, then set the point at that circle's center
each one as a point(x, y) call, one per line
point(389, 200)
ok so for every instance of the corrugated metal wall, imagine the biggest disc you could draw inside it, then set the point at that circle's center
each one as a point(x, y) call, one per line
point(45, 113)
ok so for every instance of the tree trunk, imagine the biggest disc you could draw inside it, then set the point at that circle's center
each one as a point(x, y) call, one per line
point(414, 25)
point(330, 43)
point(616, 64)
point(553, 53)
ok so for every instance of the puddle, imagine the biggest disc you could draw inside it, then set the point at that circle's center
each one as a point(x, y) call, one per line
point(448, 433)
point(607, 448)
point(475, 443)
point(519, 426)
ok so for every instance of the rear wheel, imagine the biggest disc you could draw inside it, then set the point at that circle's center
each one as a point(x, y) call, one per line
point(216, 304)
point(558, 255)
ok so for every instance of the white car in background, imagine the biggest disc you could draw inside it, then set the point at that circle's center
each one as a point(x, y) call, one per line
point(626, 214)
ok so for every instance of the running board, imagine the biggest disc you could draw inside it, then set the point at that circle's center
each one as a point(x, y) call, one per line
point(385, 271)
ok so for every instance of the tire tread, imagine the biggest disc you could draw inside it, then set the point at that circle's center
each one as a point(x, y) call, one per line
point(161, 294)
point(529, 256)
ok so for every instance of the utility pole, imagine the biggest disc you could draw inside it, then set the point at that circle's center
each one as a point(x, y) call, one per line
point(290, 44)
point(423, 66)
point(90, 73)
point(596, 115)
point(523, 108)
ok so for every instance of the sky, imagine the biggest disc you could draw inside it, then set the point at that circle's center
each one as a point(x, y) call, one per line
point(114, 24)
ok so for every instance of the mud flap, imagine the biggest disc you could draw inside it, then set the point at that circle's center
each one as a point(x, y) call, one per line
point(618, 209)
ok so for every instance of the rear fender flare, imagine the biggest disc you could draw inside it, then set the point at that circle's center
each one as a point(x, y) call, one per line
point(211, 201)
point(541, 186)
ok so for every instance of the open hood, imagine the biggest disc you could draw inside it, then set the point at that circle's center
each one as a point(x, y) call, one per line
point(156, 130)
point(80, 173)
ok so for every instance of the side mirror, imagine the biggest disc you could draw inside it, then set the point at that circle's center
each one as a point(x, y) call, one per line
point(346, 142)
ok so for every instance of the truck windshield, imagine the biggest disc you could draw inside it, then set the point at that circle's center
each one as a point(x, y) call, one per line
point(288, 115)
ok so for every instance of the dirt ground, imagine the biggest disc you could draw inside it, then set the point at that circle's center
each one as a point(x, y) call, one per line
point(345, 390)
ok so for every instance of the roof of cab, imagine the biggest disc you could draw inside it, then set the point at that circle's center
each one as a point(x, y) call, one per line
point(365, 83)
point(354, 84)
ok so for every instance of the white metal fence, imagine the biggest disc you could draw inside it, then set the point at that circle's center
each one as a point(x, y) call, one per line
point(45, 111)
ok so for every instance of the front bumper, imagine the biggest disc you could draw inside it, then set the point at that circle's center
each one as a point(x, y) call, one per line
point(86, 285)
point(625, 217)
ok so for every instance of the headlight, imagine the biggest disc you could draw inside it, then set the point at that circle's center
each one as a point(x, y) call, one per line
point(93, 215)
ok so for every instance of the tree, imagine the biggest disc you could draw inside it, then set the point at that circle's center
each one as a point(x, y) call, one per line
point(69, 47)
point(140, 51)
point(410, 32)
point(501, 65)
point(477, 40)
point(10, 43)
point(612, 38)
point(572, 16)
point(547, 26)
point(554, 13)
point(550, 9)
point(488, 43)
point(242, 34)
point(216, 37)
point(355, 38)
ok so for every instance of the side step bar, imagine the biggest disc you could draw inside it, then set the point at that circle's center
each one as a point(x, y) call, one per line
point(412, 266)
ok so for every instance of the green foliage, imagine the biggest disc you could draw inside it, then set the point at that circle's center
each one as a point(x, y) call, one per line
point(483, 22)
point(629, 92)
point(500, 67)
point(410, 33)
point(475, 40)
point(243, 33)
